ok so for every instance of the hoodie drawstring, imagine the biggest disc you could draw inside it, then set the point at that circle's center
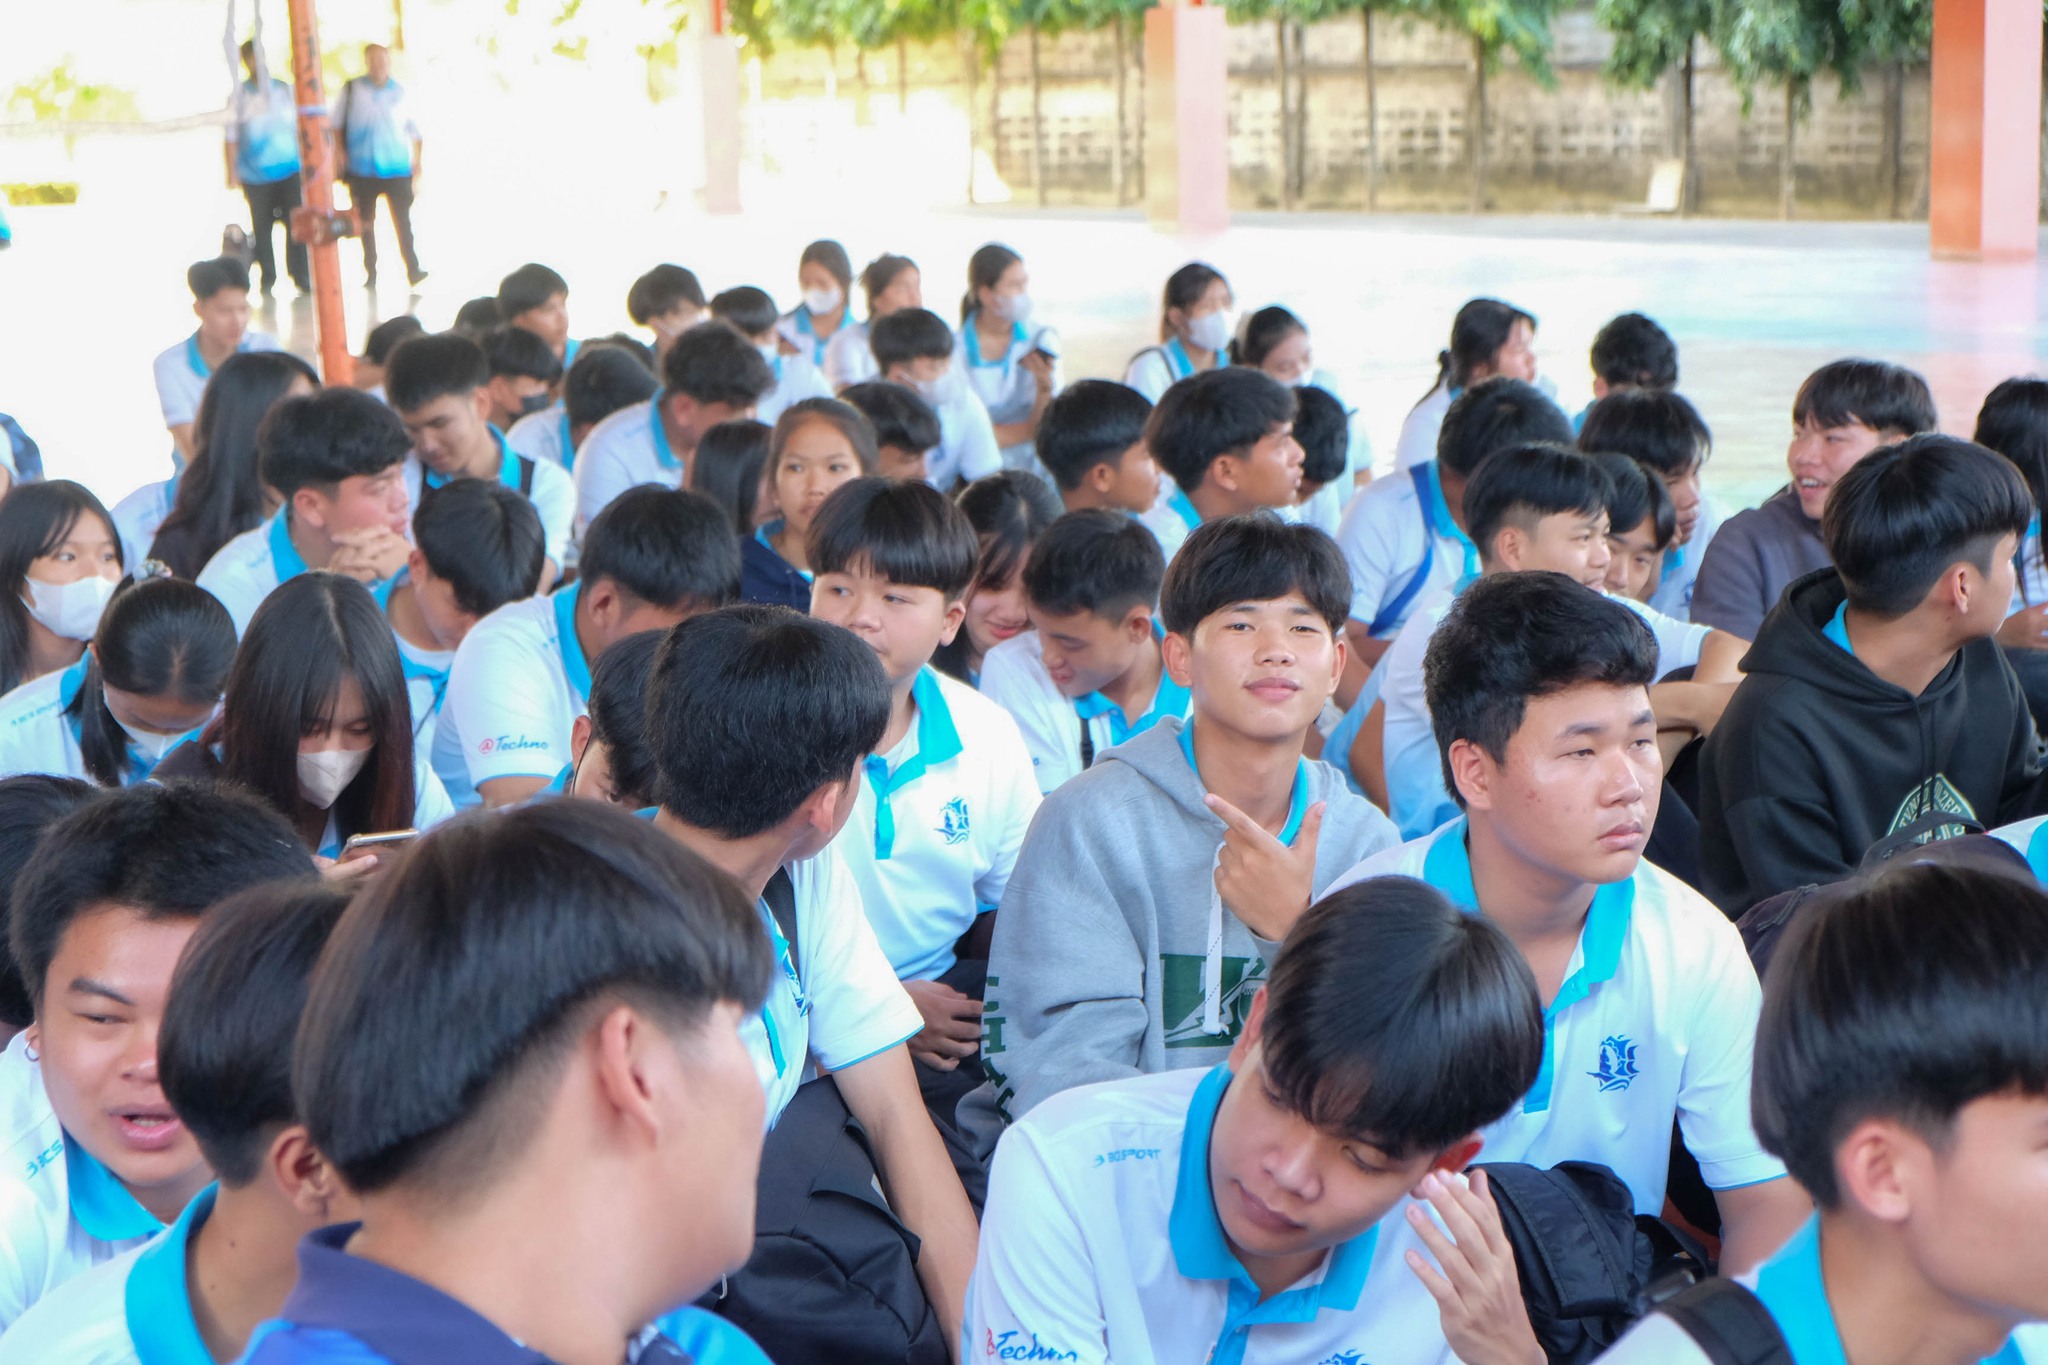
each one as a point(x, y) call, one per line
point(1212, 961)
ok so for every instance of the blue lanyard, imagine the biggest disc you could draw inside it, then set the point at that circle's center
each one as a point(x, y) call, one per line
point(569, 446)
point(662, 452)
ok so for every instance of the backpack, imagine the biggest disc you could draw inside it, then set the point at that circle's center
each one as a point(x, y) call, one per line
point(1729, 1324)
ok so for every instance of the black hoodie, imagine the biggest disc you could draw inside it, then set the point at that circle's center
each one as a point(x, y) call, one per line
point(1817, 758)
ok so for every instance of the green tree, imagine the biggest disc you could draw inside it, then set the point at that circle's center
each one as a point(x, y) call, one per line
point(1651, 37)
point(1494, 28)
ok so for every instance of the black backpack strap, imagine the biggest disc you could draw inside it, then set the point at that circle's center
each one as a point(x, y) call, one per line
point(525, 477)
point(1729, 1324)
point(1087, 746)
point(780, 893)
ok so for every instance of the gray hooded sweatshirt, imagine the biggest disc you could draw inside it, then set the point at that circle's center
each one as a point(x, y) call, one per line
point(1113, 956)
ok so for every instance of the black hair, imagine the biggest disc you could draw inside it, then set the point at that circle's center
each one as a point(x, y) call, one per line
point(34, 520)
point(1322, 428)
point(1260, 332)
point(224, 1054)
point(318, 439)
point(383, 339)
point(1255, 557)
point(477, 317)
point(985, 269)
point(220, 494)
point(727, 468)
point(603, 379)
point(1634, 496)
point(668, 547)
point(1478, 332)
point(1009, 510)
point(29, 804)
point(527, 288)
point(1225, 411)
point(660, 291)
point(160, 637)
point(1523, 484)
point(1091, 422)
point(626, 342)
point(452, 990)
point(1493, 415)
point(207, 278)
point(1394, 1017)
point(1513, 637)
point(880, 273)
point(2014, 422)
point(904, 529)
point(164, 850)
point(1184, 289)
point(312, 632)
point(747, 310)
point(1655, 427)
point(1902, 515)
point(1867, 1015)
point(483, 539)
point(909, 334)
point(849, 421)
point(731, 687)
point(833, 257)
point(437, 366)
point(1095, 560)
point(898, 413)
point(515, 353)
point(1633, 350)
point(618, 715)
point(1869, 393)
point(712, 363)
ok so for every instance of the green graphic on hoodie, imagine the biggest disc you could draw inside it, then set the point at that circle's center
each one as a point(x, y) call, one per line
point(1936, 796)
point(1180, 1009)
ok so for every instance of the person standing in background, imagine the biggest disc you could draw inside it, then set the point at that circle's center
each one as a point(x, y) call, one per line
point(263, 162)
point(379, 144)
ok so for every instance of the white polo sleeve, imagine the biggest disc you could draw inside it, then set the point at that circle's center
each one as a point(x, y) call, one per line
point(1678, 642)
point(1034, 1290)
point(1149, 373)
point(975, 437)
point(554, 497)
point(430, 799)
point(1374, 540)
point(605, 467)
point(1013, 678)
point(506, 703)
point(175, 394)
point(537, 436)
point(30, 1257)
point(858, 1008)
point(1013, 793)
point(1714, 1084)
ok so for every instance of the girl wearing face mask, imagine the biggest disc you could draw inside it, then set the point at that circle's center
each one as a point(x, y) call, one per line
point(1195, 325)
point(150, 678)
point(1275, 341)
point(817, 446)
point(891, 283)
point(60, 559)
point(1009, 512)
point(1489, 339)
point(825, 274)
point(1009, 359)
point(316, 720)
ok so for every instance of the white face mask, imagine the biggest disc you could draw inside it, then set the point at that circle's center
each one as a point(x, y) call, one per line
point(326, 773)
point(1013, 307)
point(71, 610)
point(1211, 331)
point(819, 302)
point(148, 743)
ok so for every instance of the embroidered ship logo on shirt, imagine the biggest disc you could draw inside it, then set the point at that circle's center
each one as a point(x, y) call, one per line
point(1617, 1064)
point(953, 821)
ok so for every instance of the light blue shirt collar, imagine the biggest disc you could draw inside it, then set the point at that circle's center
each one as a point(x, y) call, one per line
point(1178, 361)
point(666, 456)
point(1184, 507)
point(1437, 510)
point(574, 666)
point(972, 341)
point(287, 563)
point(508, 466)
point(938, 741)
point(100, 1202)
point(1297, 801)
point(157, 1303)
point(1837, 629)
point(1168, 699)
point(198, 361)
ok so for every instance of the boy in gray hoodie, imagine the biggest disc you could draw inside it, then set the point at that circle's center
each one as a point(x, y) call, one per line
point(1153, 890)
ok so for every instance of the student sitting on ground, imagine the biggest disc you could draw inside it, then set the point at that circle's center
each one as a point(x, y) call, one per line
point(383, 339)
point(1538, 690)
point(1877, 704)
point(1092, 441)
point(567, 988)
point(1665, 434)
point(612, 758)
point(1244, 1212)
point(1322, 428)
point(1843, 411)
point(1640, 525)
point(1227, 438)
point(524, 375)
point(1009, 510)
point(818, 447)
point(537, 299)
point(906, 429)
point(60, 561)
point(751, 313)
point(1277, 341)
point(914, 347)
point(2014, 422)
point(605, 378)
point(220, 300)
point(1007, 354)
point(1630, 354)
point(668, 301)
point(1195, 327)
point(824, 274)
point(1488, 339)
point(891, 284)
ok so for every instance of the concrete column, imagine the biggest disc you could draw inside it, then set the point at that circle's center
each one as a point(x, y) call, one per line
point(1985, 178)
point(718, 75)
point(1187, 126)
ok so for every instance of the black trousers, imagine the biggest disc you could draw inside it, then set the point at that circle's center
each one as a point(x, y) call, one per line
point(271, 205)
point(396, 190)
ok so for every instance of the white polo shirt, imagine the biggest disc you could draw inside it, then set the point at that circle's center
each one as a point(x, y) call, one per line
point(802, 333)
point(1402, 549)
point(551, 491)
point(623, 451)
point(1156, 369)
point(796, 379)
point(937, 825)
point(1682, 563)
point(1417, 442)
point(518, 683)
point(61, 1211)
point(139, 516)
point(848, 360)
point(1656, 1019)
point(1172, 519)
point(1100, 1242)
point(1006, 389)
point(967, 441)
point(181, 374)
point(36, 736)
point(248, 569)
point(544, 435)
point(1013, 676)
point(426, 688)
point(842, 1003)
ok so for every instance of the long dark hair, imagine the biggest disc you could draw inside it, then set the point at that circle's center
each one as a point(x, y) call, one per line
point(985, 271)
point(1481, 328)
point(34, 520)
point(727, 468)
point(310, 634)
point(220, 494)
point(1009, 510)
point(161, 637)
point(1261, 332)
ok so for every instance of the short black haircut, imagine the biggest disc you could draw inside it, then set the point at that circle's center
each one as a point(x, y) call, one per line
point(1513, 637)
point(207, 278)
point(318, 439)
point(1634, 496)
point(1091, 422)
point(483, 539)
point(662, 290)
point(454, 988)
point(714, 364)
point(436, 366)
point(165, 850)
point(527, 288)
point(1902, 515)
point(909, 334)
point(515, 353)
point(29, 804)
point(225, 1052)
point(1322, 428)
point(1218, 412)
point(603, 379)
point(1395, 1018)
point(666, 546)
point(1655, 427)
point(618, 715)
point(1095, 560)
point(2014, 422)
point(1523, 484)
point(477, 316)
point(1632, 349)
point(729, 690)
point(1868, 1015)
point(898, 413)
point(1255, 557)
point(383, 339)
point(904, 529)
point(1869, 393)
point(1493, 415)
point(746, 309)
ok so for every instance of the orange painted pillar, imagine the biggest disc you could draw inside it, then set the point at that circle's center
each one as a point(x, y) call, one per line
point(1984, 182)
point(316, 187)
point(1187, 118)
point(718, 73)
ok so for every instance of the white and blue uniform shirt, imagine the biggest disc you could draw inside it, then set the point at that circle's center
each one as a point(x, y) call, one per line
point(1681, 566)
point(263, 128)
point(1156, 369)
point(796, 379)
point(797, 328)
point(1417, 441)
point(550, 491)
point(1172, 519)
point(380, 127)
point(1006, 389)
point(181, 374)
point(1101, 1242)
point(544, 436)
point(37, 736)
point(625, 450)
point(937, 824)
point(140, 515)
point(518, 683)
point(1402, 548)
point(1655, 1019)
point(848, 359)
point(426, 689)
point(248, 569)
point(1057, 729)
point(967, 441)
point(61, 1211)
